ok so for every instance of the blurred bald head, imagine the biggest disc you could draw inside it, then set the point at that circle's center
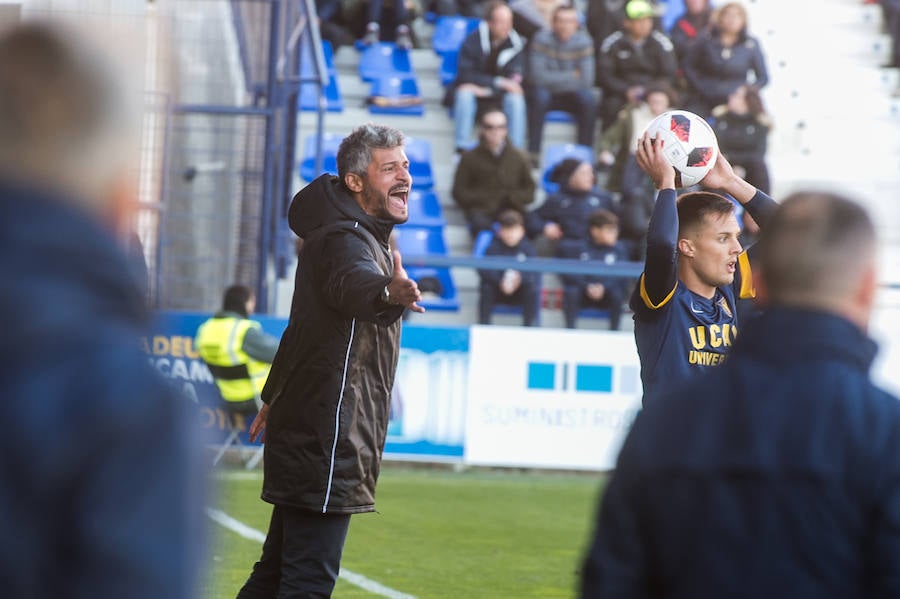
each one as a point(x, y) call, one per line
point(819, 252)
point(66, 119)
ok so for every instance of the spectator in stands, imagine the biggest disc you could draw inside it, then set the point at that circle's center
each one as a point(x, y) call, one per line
point(492, 177)
point(617, 151)
point(596, 291)
point(327, 398)
point(331, 24)
point(561, 73)
point(510, 286)
point(742, 127)
point(237, 351)
point(532, 16)
point(102, 486)
point(632, 58)
point(723, 61)
point(781, 468)
point(565, 213)
point(489, 73)
point(691, 26)
point(605, 17)
point(397, 19)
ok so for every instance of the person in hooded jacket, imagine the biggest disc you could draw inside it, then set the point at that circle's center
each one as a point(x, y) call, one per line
point(564, 214)
point(327, 398)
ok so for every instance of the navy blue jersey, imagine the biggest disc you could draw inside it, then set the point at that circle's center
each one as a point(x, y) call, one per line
point(684, 334)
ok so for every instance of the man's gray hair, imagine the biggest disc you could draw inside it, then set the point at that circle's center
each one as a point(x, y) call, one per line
point(355, 151)
point(815, 249)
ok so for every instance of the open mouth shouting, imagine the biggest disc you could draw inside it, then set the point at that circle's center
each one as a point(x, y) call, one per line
point(399, 196)
point(731, 265)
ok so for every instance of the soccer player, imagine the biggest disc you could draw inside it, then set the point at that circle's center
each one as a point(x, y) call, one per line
point(778, 474)
point(685, 319)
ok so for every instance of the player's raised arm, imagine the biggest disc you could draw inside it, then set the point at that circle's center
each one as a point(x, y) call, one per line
point(723, 178)
point(660, 267)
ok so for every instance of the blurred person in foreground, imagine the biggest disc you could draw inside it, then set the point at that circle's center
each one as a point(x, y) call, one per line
point(328, 396)
point(685, 313)
point(101, 485)
point(778, 474)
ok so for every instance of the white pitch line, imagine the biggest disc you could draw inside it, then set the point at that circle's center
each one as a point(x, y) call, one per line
point(241, 529)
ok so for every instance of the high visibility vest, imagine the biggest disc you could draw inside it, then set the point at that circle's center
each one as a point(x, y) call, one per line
point(219, 341)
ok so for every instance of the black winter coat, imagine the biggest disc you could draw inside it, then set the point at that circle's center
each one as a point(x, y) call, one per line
point(330, 384)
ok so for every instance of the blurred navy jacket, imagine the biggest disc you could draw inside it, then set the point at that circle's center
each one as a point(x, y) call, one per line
point(774, 475)
point(101, 488)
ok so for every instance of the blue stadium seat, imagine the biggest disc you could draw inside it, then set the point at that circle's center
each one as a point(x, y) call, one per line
point(447, 70)
point(308, 100)
point(674, 9)
point(306, 60)
point(559, 116)
point(439, 290)
point(382, 59)
point(556, 153)
point(330, 144)
point(450, 31)
point(418, 150)
point(425, 209)
point(396, 95)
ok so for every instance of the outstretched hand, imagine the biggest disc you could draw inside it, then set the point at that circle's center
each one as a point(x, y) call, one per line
point(652, 161)
point(403, 290)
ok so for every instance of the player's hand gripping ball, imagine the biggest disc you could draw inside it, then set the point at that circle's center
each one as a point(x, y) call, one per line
point(690, 144)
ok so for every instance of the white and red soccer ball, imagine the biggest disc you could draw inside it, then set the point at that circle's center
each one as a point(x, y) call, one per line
point(690, 144)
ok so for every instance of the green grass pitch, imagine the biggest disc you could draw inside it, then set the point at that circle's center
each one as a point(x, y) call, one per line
point(437, 533)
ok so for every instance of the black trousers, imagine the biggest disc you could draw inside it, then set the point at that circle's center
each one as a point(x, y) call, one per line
point(301, 557)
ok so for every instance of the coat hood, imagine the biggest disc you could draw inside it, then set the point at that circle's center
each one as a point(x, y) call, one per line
point(326, 201)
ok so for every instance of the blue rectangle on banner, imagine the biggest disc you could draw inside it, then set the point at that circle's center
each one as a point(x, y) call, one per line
point(589, 377)
point(541, 375)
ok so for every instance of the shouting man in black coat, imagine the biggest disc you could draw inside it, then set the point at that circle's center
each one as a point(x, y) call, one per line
point(327, 398)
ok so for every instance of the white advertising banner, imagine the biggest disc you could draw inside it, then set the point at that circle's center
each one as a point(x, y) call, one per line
point(550, 398)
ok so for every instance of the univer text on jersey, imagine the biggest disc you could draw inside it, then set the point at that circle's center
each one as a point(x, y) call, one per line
point(710, 343)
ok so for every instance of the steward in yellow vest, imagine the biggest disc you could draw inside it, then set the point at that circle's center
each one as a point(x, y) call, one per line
point(237, 351)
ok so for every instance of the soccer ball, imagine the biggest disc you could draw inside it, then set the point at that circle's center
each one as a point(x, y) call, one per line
point(690, 144)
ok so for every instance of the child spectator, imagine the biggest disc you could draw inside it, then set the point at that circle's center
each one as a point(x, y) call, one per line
point(564, 214)
point(510, 286)
point(742, 127)
point(616, 151)
point(596, 291)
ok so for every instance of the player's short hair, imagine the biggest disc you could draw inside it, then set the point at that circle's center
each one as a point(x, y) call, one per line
point(815, 247)
point(602, 217)
point(355, 152)
point(694, 208)
point(235, 299)
point(510, 218)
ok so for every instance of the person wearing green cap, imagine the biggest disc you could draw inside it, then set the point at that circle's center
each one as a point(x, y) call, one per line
point(632, 58)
